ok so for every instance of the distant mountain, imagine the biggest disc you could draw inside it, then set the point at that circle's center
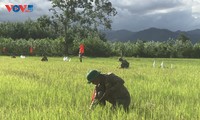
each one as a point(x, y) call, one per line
point(119, 35)
point(150, 34)
point(194, 35)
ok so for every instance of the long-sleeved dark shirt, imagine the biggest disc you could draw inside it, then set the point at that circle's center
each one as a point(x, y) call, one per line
point(116, 88)
point(124, 64)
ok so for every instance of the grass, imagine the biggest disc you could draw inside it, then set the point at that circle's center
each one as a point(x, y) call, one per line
point(58, 90)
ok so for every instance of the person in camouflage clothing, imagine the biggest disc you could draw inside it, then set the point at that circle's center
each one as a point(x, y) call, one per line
point(109, 87)
point(124, 63)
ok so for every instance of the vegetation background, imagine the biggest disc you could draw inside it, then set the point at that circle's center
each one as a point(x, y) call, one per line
point(95, 47)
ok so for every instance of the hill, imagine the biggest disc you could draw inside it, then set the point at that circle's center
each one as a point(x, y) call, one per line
point(150, 34)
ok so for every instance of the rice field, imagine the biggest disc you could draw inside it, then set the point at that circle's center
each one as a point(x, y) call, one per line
point(58, 90)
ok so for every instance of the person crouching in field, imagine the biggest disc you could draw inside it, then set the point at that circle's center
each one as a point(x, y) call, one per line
point(124, 63)
point(44, 58)
point(108, 87)
point(13, 56)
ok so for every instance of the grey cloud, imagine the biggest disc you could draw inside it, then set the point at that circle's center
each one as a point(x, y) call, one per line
point(179, 20)
point(145, 6)
point(142, 14)
point(133, 15)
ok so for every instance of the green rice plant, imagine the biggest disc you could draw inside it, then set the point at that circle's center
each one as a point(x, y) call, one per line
point(58, 90)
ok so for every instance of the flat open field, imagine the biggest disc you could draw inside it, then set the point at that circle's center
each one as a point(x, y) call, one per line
point(58, 90)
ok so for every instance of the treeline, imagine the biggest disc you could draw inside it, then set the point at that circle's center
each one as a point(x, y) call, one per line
point(43, 27)
point(94, 46)
point(46, 36)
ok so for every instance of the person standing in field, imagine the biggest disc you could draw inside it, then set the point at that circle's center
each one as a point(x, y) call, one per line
point(81, 51)
point(31, 50)
point(108, 87)
point(124, 63)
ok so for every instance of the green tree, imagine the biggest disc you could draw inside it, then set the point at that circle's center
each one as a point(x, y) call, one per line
point(46, 27)
point(196, 50)
point(182, 49)
point(182, 37)
point(83, 13)
point(139, 48)
point(44, 21)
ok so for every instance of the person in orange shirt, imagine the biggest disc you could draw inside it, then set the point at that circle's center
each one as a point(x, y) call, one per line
point(81, 51)
point(31, 50)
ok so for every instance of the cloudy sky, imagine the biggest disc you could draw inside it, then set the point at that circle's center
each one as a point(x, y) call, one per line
point(134, 15)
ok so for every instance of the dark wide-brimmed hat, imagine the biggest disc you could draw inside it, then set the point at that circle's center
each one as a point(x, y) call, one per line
point(92, 74)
